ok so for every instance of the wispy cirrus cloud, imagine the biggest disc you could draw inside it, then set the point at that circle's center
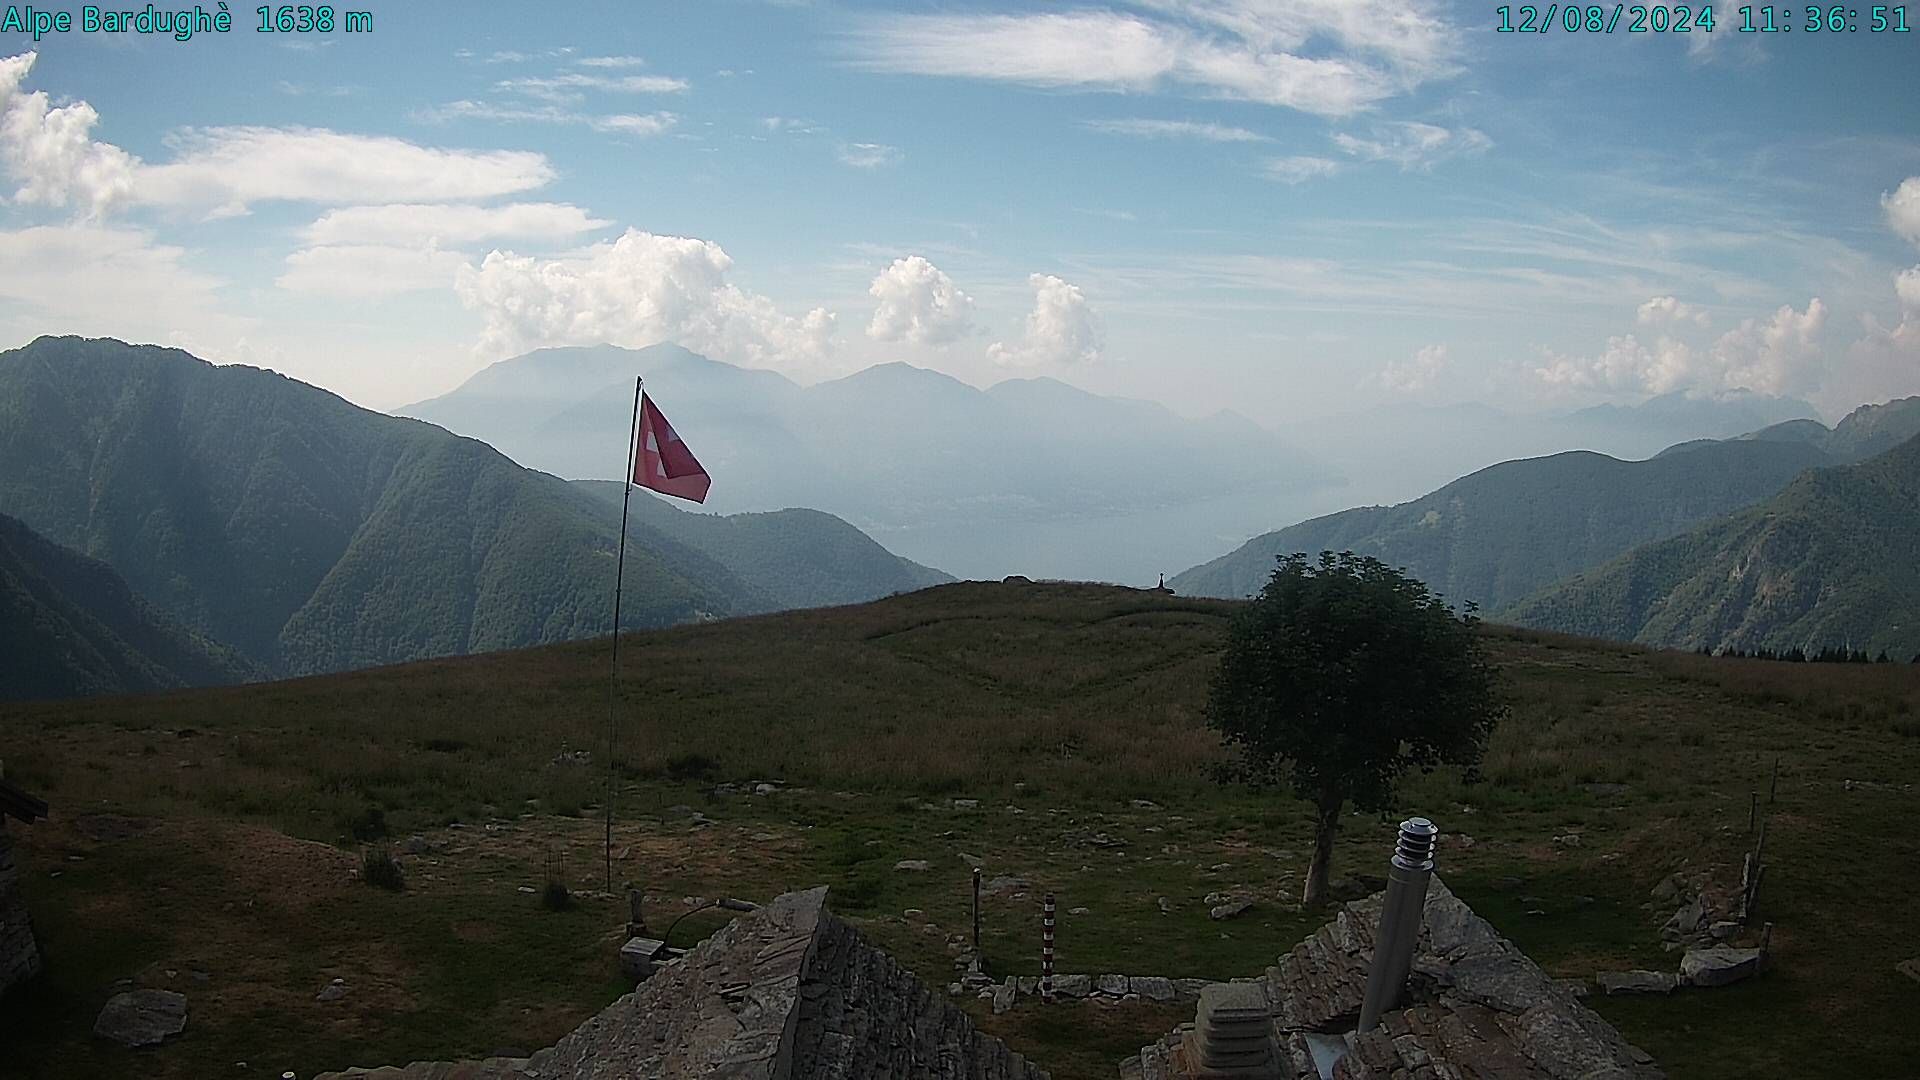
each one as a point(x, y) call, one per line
point(865, 155)
point(1299, 168)
point(1326, 57)
point(1141, 128)
point(1412, 145)
point(571, 86)
point(638, 124)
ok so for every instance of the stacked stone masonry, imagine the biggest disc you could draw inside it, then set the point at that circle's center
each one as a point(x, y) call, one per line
point(19, 954)
point(1475, 1006)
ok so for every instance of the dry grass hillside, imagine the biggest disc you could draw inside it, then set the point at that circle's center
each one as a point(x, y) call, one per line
point(205, 841)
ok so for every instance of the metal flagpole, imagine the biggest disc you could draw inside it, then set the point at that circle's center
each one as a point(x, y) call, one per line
point(619, 572)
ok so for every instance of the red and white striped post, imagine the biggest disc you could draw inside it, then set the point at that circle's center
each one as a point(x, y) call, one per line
point(1046, 948)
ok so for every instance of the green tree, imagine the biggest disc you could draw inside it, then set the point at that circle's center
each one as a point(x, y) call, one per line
point(1342, 675)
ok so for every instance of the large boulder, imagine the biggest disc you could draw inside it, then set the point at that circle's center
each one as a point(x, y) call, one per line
point(1719, 966)
point(142, 1017)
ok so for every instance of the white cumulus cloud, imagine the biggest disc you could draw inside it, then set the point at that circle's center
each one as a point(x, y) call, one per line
point(1902, 205)
point(224, 170)
point(1907, 287)
point(919, 304)
point(1670, 310)
point(635, 291)
point(1418, 373)
point(1778, 355)
point(1061, 329)
point(50, 152)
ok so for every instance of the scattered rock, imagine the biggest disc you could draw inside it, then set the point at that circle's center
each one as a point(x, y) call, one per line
point(1636, 982)
point(764, 789)
point(910, 864)
point(1668, 890)
point(1220, 867)
point(1687, 920)
point(142, 1017)
point(333, 991)
point(1166, 908)
point(763, 837)
point(1003, 995)
point(913, 913)
point(971, 860)
point(1574, 988)
point(1004, 883)
point(1145, 804)
point(1077, 911)
point(1909, 968)
point(1073, 986)
point(1230, 909)
point(1567, 840)
point(1719, 965)
point(1152, 987)
point(1723, 930)
point(965, 804)
point(573, 757)
point(1213, 898)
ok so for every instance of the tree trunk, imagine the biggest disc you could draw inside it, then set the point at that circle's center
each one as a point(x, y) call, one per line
point(1317, 873)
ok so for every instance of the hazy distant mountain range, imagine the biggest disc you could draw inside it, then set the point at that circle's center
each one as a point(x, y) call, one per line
point(1515, 529)
point(309, 535)
point(69, 625)
point(1832, 560)
point(1031, 476)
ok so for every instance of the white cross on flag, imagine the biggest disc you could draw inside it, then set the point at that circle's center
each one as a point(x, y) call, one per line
point(662, 462)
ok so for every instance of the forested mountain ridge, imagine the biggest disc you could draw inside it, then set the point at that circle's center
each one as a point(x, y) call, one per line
point(792, 558)
point(70, 626)
point(313, 535)
point(1831, 561)
point(1498, 534)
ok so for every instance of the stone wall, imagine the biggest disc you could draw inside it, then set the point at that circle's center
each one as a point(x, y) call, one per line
point(19, 954)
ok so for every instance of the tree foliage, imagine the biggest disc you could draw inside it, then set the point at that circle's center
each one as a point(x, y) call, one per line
point(1344, 674)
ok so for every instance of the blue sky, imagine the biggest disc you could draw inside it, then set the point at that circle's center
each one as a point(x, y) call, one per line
point(1284, 207)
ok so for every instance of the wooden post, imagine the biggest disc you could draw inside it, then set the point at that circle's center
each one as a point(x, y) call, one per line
point(1773, 785)
point(1753, 810)
point(1046, 948)
point(976, 918)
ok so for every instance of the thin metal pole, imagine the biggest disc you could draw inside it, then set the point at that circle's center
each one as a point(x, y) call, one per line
point(619, 573)
point(1046, 949)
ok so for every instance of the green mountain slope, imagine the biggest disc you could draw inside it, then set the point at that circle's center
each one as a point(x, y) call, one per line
point(70, 626)
point(1500, 533)
point(1834, 559)
point(792, 558)
point(312, 535)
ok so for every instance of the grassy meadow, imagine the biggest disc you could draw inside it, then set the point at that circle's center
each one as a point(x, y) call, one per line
point(207, 841)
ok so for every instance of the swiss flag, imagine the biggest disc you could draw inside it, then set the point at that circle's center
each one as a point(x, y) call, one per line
point(662, 462)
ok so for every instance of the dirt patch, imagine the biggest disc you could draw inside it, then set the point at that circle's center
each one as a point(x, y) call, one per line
point(108, 828)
